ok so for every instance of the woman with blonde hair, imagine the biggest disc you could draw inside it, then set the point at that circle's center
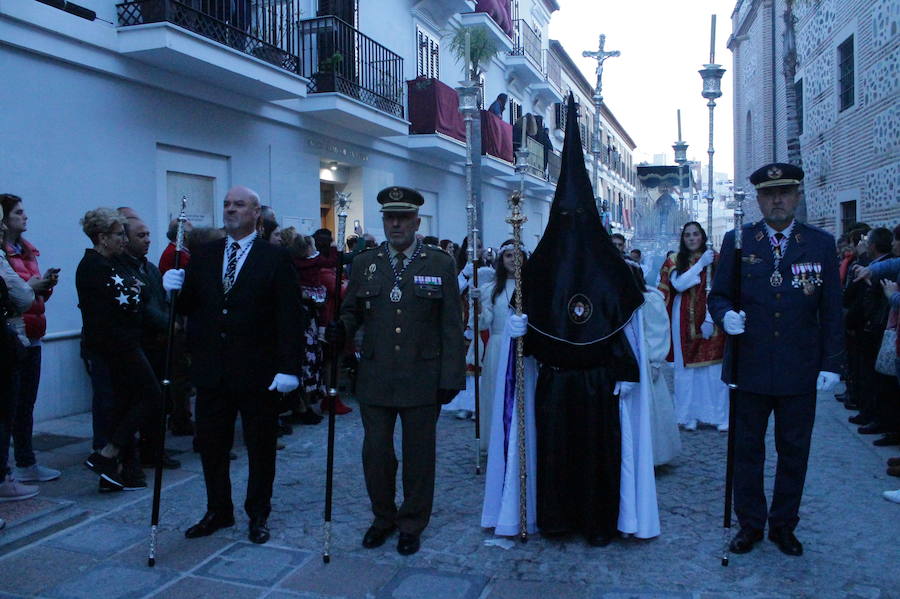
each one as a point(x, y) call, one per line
point(112, 312)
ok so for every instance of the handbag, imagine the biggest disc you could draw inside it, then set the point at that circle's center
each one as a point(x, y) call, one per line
point(885, 363)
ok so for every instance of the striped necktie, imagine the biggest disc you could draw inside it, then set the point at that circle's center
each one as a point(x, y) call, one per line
point(228, 279)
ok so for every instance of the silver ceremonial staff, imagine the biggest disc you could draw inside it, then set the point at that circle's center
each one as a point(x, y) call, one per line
point(342, 202)
point(733, 385)
point(167, 391)
point(712, 80)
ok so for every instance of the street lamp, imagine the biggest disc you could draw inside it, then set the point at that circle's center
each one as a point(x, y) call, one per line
point(712, 81)
point(680, 148)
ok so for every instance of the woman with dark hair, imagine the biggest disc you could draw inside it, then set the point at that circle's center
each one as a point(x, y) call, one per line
point(17, 297)
point(698, 346)
point(22, 256)
point(499, 423)
point(112, 315)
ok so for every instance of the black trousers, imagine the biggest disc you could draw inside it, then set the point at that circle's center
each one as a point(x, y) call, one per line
point(136, 397)
point(794, 418)
point(216, 411)
point(419, 428)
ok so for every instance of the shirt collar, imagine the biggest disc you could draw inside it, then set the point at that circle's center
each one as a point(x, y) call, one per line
point(243, 243)
point(786, 232)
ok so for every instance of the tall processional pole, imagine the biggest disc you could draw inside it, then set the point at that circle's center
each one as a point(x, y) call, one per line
point(468, 106)
point(342, 202)
point(712, 80)
point(596, 143)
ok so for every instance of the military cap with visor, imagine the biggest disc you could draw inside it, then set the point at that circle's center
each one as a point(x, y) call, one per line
point(400, 199)
point(777, 174)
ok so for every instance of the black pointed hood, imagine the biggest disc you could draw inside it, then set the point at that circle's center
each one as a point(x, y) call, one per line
point(578, 289)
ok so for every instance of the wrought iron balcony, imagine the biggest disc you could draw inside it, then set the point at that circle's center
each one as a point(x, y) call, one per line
point(339, 58)
point(332, 54)
point(527, 43)
point(262, 28)
point(553, 69)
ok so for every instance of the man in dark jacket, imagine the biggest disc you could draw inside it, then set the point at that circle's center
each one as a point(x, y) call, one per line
point(241, 299)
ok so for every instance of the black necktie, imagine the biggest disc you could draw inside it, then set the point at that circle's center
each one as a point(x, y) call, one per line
point(228, 279)
point(400, 260)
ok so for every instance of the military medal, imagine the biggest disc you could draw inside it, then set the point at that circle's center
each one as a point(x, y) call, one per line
point(817, 269)
point(396, 295)
point(776, 279)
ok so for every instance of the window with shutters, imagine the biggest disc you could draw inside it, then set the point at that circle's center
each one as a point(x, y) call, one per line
point(559, 114)
point(798, 94)
point(845, 73)
point(428, 56)
point(515, 110)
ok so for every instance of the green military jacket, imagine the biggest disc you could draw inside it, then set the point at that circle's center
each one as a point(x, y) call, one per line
point(412, 347)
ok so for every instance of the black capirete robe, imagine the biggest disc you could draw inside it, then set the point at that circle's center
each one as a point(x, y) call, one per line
point(579, 294)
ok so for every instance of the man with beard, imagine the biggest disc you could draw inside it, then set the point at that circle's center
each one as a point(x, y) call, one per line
point(579, 297)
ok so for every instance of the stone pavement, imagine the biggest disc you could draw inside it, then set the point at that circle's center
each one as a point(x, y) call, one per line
point(72, 542)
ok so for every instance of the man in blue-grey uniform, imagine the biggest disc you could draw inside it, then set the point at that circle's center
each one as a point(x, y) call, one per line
point(791, 344)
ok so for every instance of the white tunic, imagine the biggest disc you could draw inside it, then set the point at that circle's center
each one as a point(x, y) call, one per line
point(638, 509)
point(500, 509)
point(700, 394)
point(655, 319)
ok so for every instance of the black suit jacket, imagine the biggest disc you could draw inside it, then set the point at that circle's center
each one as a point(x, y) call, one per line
point(241, 340)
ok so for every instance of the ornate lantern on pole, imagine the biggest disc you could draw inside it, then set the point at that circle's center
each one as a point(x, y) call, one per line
point(712, 90)
point(680, 148)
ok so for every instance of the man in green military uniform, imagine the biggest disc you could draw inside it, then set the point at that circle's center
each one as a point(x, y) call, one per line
point(404, 293)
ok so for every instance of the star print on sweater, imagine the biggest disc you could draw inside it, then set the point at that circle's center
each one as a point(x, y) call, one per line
point(126, 293)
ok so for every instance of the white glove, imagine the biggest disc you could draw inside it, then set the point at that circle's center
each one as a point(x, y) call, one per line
point(284, 383)
point(654, 373)
point(467, 270)
point(707, 329)
point(475, 293)
point(707, 258)
point(173, 280)
point(468, 335)
point(827, 380)
point(517, 326)
point(623, 387)
point(733, 322)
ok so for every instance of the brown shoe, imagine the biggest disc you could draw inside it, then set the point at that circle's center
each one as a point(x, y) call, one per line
point(893, 470)
point(893, 462)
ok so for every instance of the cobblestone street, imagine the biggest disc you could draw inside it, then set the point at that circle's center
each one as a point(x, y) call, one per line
point(72, 542)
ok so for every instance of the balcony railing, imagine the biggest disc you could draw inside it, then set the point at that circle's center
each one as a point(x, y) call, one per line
point(333, 55)
point(262, 28)
point(553, 69)
point(527, 43)
point(554, 166)
point(339, 58)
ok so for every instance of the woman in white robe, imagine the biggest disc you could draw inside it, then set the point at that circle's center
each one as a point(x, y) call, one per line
point(500, 509)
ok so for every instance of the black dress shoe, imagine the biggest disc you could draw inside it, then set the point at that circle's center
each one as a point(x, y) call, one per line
point(858, 419)
point(599, 539)
point(375, 537)
point(873, 428)
point(407, 544)
point(259, 531)
point(745, 539)
point(786, 541)
point(887, 440)
point(210, 523)
point(851, 405)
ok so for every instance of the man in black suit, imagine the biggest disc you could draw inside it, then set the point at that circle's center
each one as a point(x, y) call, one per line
point(240, 296)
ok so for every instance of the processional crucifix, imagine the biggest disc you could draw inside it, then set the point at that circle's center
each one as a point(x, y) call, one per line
point(596, 146)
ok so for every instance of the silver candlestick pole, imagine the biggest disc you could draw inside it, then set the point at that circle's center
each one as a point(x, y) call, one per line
point(596, 144)
point(468, 106)
point(712, 80)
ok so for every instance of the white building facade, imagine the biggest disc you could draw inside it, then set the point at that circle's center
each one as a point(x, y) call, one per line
point(847, 83)
point(138, 103)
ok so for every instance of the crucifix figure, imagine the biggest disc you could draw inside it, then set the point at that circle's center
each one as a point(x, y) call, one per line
point(600, 56)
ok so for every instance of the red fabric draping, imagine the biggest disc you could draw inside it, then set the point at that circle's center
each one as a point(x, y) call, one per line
point(499, 11)
point(496, 136)
point(434, 108)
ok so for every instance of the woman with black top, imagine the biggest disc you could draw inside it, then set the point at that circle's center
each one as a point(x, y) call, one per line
point(111, 312)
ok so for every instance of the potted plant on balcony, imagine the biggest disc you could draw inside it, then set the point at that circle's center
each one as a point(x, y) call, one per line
point(326, 76)
point(482, 48)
